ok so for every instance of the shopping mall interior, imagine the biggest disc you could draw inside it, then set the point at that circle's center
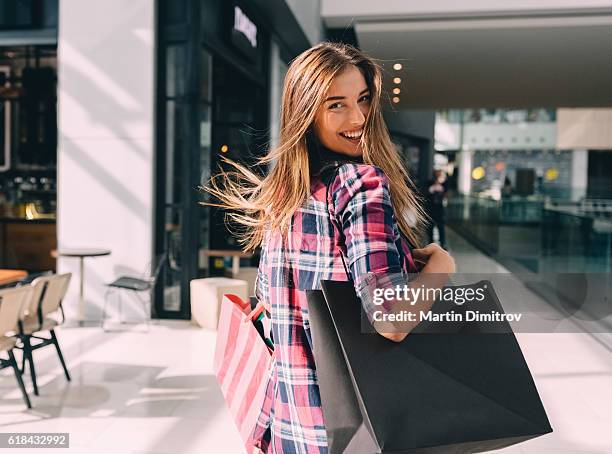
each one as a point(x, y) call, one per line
point(114, 114)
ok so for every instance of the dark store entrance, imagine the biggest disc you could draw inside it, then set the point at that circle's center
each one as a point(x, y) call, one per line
point(239, 134)
point(212, 102)
point(599, 179)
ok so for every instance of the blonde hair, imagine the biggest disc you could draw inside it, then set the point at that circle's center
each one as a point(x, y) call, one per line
point(258, 203)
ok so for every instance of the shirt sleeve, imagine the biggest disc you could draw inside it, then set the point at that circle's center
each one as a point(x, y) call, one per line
point(363, 210)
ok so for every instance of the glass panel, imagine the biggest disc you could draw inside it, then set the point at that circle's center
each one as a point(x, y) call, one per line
point(237, 144)
point(205, 75)
point(172, 274)
point(205, 158)
point(174, 146)
point(236, 96)
point(550, 236)
point(238, 108)
point(5, 152)
point(205, 126)
point(175, 71)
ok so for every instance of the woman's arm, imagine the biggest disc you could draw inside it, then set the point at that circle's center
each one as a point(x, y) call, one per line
point(435, 274)
point(362, 204)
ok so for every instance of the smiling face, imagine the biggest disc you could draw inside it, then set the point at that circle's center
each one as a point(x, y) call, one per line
point(340, 120)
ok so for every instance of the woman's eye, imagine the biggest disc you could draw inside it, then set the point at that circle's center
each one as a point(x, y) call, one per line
point(365, 98)
point(335, 105)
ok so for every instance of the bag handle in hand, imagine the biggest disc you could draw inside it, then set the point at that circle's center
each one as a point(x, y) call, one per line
point(333, 220)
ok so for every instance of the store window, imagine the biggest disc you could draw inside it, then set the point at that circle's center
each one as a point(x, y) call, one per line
point(28, 156)
point(212, 103)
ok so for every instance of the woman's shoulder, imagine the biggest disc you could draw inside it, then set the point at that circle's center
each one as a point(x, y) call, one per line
point(353, 177)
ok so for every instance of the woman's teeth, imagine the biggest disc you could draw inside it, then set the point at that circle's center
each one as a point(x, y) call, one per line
point(352, 135)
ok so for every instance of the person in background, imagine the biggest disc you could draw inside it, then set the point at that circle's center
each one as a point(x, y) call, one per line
point(507, 188)
point(436, 194)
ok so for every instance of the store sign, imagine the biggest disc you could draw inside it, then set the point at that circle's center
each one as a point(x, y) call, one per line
point(244, 25)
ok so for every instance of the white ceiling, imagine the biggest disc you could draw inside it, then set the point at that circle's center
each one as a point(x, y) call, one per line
point(339, 13)
point(510, 60)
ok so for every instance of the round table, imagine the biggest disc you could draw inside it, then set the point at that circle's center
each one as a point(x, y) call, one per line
point(81, 254)
point(11, 276)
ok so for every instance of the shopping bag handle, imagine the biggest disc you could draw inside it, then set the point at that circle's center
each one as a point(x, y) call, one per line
point(236, 300)
point(257, 313)
point(255, 316)
point(332, 219)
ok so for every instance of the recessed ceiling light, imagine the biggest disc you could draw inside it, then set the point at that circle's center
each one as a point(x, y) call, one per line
point(396, 91)
point(224, 148)
point(397, 66)
point(397, 80)
point(396, 99)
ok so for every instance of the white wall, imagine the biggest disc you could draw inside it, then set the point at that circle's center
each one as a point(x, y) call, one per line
point(584, 128)
point(105, 150)
point(308, 14)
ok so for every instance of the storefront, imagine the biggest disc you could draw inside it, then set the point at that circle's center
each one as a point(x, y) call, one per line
point(28, 134)
point(220, 64)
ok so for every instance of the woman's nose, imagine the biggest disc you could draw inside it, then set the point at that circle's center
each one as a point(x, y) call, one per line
point(357, 117)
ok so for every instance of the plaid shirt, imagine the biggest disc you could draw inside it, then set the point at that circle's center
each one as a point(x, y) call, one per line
point(291, 420)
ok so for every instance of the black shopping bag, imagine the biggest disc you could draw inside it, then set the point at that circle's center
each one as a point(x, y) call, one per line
point(461, 391)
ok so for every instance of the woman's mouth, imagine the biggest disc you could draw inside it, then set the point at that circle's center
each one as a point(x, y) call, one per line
point(352, 136)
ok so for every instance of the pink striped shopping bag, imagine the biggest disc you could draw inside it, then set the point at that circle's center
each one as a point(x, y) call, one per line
point(242, 364)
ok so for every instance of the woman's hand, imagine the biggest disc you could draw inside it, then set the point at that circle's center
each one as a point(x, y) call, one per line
point(438, 266)
point(425, 252)
point(437, 259)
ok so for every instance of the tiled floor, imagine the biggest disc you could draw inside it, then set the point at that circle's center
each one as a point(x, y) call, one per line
point(133, 392)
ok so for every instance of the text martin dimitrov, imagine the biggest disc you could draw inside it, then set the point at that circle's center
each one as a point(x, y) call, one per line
point(452, 316)
point(457, 295)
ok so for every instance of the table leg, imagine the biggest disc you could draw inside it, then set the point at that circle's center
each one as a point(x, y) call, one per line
point(235, 266)
point(81, 316)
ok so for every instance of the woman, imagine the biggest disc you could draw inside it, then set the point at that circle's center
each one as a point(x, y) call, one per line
point(330, 118)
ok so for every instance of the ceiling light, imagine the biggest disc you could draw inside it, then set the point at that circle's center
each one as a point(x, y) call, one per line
point(396, 91)
point(396, 99)
point(397, 80)
point(397, 66)
point(224, 148)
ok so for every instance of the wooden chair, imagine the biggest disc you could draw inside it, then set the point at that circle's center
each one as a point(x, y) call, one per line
point(42, 315)
point(12, 302)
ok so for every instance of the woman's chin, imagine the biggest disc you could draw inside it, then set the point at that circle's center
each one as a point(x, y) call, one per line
point(354, 152)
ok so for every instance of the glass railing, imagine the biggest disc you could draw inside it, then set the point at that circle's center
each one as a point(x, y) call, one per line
point(559, 249)
point(539, 233)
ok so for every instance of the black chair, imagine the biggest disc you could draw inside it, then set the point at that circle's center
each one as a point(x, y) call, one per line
point(135, 285)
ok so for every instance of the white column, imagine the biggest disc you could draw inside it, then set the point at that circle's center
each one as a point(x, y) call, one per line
point(464, 180)
point(278, 70)
point(106, 73)
point(580, 173)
